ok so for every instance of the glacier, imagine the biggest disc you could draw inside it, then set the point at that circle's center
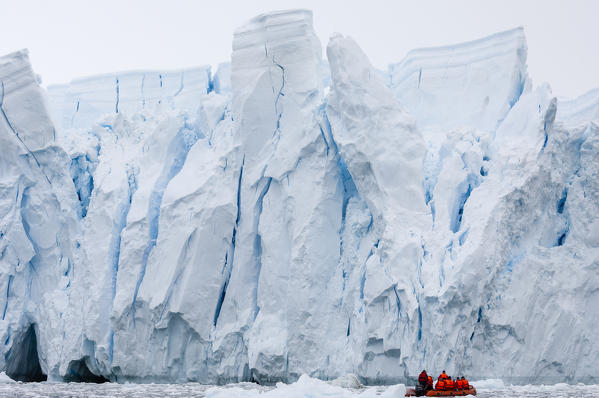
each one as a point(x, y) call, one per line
point(293, 215)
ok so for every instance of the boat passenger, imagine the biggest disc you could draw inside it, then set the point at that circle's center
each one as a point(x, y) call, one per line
point(465, 383)
point(442, 376)
point(440, 386)
point(423, 379)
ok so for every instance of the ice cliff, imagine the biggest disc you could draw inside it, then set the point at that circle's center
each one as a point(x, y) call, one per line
point(292, 215)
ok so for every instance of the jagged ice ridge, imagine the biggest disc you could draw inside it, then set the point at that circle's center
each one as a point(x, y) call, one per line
point(292, 215)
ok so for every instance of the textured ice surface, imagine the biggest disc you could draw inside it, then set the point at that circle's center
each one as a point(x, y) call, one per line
point(293, 216)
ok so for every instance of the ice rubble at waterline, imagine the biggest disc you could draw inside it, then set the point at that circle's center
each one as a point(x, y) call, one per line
point(304, 387)
point(290, 215)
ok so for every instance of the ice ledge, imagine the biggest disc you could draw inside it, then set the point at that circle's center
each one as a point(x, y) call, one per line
point(579, 110)
point(85, 100)
point(19, 87)
point(462, 53)
point(277, 25)
point(472, 84)
point(15, 63)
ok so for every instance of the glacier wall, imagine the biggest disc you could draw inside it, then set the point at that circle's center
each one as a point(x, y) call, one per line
point(292, 215)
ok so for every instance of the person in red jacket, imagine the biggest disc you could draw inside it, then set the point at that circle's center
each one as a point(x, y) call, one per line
point(465, 384)
point(429, 384)
point(449, 385)
point(459, 383)
point(440, 386)
point(422, 381)
point(442, 376)
point(423, 378)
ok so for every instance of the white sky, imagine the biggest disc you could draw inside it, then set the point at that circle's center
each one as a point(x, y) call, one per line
point(73, 38)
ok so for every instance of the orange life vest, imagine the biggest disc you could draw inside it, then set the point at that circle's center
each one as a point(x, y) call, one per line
point(465, 384)
point(460, 384)
point(430, 382)
point(449, 384)
point(443, 376)
point(440, 385)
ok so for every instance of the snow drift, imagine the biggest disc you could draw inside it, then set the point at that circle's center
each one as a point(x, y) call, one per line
point(289, 216)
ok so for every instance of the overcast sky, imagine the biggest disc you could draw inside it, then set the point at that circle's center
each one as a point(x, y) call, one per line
point(73, 38)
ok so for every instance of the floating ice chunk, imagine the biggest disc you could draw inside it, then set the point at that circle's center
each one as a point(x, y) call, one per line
point(488, 384)
point(347, 381)
point(5, 379)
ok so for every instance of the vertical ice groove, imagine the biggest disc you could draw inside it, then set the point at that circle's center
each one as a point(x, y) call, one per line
point(459, 212)
point(280, 94)
point(258, 239)
point(176, 156)
point(431, 169)
point(82, 169)
point(10, 278)
point(111, 347)
point(227, 268)
point(420, 260)
point(181, 84)
point(212, 84)
point(363, 281)
point(119, 223)
point(114, 248)
point(24, 220)
point(36, 249)
point(562, 202)
point(76, 111)
point(143, 98)
point(228, 263)
point(419, 323)
point(519, 89)
point(398, 303)
point(116, 106)
point(464, 190)
point(326, 143)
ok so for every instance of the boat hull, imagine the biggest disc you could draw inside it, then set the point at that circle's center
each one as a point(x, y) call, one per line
point(410, 392)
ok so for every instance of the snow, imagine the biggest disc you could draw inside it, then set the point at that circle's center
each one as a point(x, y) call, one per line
point(289, 215)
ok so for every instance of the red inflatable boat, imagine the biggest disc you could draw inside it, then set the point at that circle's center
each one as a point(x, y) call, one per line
point(411, 392)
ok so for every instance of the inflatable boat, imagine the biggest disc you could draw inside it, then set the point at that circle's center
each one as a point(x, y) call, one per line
point(411, 392)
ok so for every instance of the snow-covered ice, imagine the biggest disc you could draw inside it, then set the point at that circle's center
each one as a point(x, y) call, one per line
point(289, 215)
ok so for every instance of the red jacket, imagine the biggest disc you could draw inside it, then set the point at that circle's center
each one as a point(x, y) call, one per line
point(423, 378)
